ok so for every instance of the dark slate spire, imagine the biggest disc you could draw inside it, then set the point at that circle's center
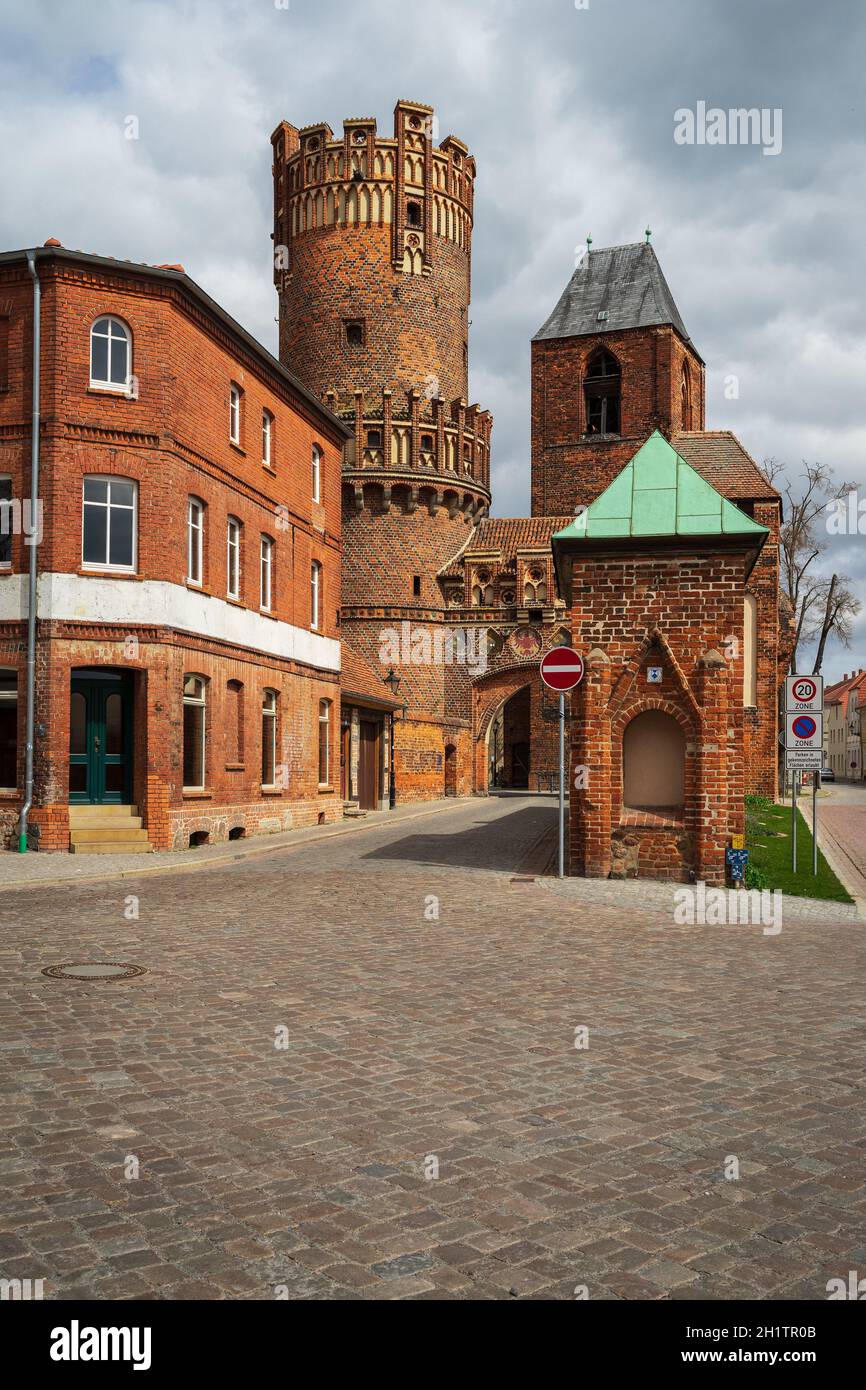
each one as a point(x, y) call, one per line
point(625, 283)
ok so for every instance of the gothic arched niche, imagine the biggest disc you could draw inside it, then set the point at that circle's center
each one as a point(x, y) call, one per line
point(653, 763)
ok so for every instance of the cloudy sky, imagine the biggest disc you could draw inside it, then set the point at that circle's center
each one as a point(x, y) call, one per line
point(569, 109)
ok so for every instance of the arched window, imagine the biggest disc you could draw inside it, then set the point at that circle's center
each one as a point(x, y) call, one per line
point(653, 763)
point(269, 738)
point(483, 595)
point(110, 354)
point(750, 651)
point(686, 398)
point(194, 732)
point(535, 588)
point(601, 386)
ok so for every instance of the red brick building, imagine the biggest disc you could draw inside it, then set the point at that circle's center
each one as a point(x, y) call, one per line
point(187, 650)
point(372, 264)
point(612, 364)
point(372, 238)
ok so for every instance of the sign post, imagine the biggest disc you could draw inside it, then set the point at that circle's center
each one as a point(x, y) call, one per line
point(804, 747)
point(562, 670)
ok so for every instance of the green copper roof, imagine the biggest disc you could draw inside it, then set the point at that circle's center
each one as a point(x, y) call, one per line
point(659, 494)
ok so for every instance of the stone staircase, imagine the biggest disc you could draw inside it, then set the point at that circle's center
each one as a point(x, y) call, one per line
point(107, 830)
point(351, 810)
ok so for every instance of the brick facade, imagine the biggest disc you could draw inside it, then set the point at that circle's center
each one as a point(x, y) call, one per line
point(419, 550)
point(668, 611)
point(568, 465)
point(169, 434)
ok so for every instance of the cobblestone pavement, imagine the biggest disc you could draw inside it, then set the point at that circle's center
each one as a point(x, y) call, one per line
point(415, 1040)
point(842, 818)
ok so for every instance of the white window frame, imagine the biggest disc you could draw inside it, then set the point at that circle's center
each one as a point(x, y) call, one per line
point(266, 567)
point(315, 593)
point(324, 721)
point(235, 414)
point(199, 700)
point(269, 732)
point(267, 439)
point(233, 558)
point(317, 473)
point(117, 329)
point(195, 541)
point(106, 566)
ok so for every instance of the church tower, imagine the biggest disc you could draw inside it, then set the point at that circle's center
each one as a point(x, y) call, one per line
point(372, 258)
point(613, 363)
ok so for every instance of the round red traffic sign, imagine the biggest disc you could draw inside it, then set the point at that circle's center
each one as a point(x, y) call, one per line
point(804, 726)
point(804, 689)
point(562, 668)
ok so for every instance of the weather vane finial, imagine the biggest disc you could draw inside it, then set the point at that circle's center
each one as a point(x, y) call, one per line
point(647, 234)
point(588, 242)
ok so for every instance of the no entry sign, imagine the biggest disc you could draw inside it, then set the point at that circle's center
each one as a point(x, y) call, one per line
point(562, 669)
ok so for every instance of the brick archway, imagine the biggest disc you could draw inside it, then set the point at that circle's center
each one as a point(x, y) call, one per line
point(490, 695)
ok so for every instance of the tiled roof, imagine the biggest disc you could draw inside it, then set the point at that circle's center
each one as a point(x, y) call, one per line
point(720, 458)
point(505, 535)
point(623, 282)
point(360, 678)
point(838, 694)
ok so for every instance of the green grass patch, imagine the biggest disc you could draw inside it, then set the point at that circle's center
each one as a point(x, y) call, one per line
point(768, 840)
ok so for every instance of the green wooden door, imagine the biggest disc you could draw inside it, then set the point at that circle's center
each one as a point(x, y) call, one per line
point(100, 728)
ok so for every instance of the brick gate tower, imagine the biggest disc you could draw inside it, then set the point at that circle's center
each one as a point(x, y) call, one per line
point(372, 250)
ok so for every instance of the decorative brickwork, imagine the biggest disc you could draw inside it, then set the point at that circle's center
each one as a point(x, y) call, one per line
point(169, 435)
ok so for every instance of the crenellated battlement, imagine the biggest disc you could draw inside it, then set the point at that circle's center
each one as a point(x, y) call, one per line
point(422, 438)
point(422, 192)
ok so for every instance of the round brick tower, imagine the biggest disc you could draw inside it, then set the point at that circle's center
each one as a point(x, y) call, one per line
point(372, 251)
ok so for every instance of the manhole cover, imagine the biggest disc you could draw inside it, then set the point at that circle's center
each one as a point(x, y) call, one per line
point(94, 970)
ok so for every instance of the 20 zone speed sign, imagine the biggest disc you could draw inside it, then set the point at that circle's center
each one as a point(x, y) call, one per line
point(804, 694)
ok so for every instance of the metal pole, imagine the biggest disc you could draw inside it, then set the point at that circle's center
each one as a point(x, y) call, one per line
point(815, 779)
point(562, 784)
point(392, 785)
point(794, 776)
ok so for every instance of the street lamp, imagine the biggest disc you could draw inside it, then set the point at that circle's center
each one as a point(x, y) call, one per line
point(392, 680)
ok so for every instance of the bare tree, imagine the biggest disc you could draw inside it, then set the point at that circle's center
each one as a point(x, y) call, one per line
point(822, 606)
point(840, 609)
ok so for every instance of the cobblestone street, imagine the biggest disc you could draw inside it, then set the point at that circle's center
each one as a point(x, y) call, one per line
point(843, 818)
point(430, 989)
